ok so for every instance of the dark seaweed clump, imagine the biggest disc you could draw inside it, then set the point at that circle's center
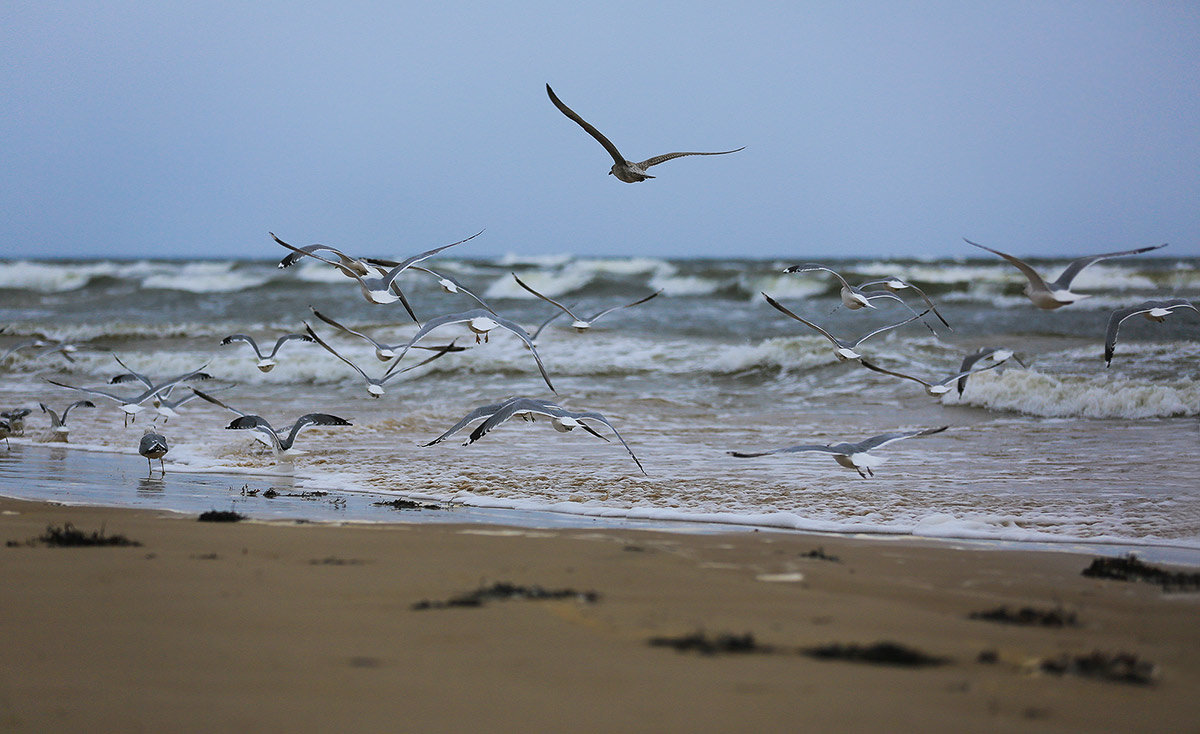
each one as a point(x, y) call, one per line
point(1131, 568)
point(1029, 617)
point(881, 653)
point(503, 591)
point(705, 645)
point(403, 504)
point(1121, 667)
point(221, 516)
point(820, 555)
point(67, 536)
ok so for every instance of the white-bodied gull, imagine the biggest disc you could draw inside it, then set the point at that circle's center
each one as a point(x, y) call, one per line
point(933, 388)
point(895, 285)
point(375, 385)
point(998, 355)
point(624, 170)
point(850, 455)
point(581, 324)
point(383, 352)
point(58, 423)
point(267, 362)
point(843, 349)
point(283, 444)
point(131, 405)
point(1058, 293)
point(1154, 310)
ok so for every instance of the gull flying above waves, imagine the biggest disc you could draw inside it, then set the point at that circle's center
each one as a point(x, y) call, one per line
point(843, 349)
point(131, 405)
point(375, 385)
point(265, 362)
point(378, 288)
point(1056, 294)
point(895, 284)
point(383, 352)
point(263, 431)
point(852, 298)
point(480, 322)
point(561, 419)
point(624, 170)
point(850, 455)
point(933, 388)
point(998, 355)
point(1153, 310)
point(58, 423)
point(581, 324)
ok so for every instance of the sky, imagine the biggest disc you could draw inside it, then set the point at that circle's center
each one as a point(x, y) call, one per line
point(872, 129)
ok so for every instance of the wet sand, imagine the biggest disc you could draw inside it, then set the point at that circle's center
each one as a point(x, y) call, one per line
point(274, 625)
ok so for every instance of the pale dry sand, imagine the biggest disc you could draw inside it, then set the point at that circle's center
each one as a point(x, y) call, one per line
point(285, 627)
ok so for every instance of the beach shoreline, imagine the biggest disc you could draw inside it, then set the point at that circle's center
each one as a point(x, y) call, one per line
point(311, 626)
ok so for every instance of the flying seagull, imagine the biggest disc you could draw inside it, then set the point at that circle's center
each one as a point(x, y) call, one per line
point(581, 324)
point(283, 444)
point(58, 423)
point(16, 420)
point(561, 419)
point(153, 446)
point(480, 322)
point(850, 455)
point(933, 388)
point(626, 171)
point(852, 298)
point(131, 405)
point(1155, 310)
point(266, 363)
point(842, 349)
point(1057, 294)
point(378, 288)
point(895, 284)
point(996, 354)
point(375, 385)
point(383, 352)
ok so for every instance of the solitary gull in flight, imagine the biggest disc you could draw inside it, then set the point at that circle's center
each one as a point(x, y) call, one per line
point(283, 444)
point(843, 349)
point(996, 354)
point(933, 388)
point(581, 324)
point(375, 385)
point(153, 446)
point(480, 322)
point(561, 419)
point(378, 288)
point(1155, 310)
point(1057, 294)
point(58, 423)
point(626, 171)
point(850, 455)
point(266, 363)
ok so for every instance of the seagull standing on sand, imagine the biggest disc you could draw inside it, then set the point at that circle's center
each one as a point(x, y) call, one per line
point(1155, 310)
point(1049, 296)
point(850, 455)
point(580, 324)
point(153, 446)
point(265, 363)
point(58, 423)
point(561, 419)
point(843, 349)
point(624, 170)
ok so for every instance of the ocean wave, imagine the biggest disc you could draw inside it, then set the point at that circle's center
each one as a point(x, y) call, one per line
point(207, 277)
point(1033, 392)
point(47, 277)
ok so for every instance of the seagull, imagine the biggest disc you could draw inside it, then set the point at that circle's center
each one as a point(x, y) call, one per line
point(375, 385)
point(153, 446)
point(1054, 295)
point(933, 388)
point(1155, 310)
point(5, 430)
point(843, 349)
point(996, 354)
point(383, 352)
point(581, 324)
point(58, 423)
point(624, 170)
point(561, 419)
point(895, 284)
point(132, 405)
point(16, 420)
point(852, 298)
point(283, 444)
point(850, 455)
point(265, 363)
point(31, 344)
point(480, 322)
point(378, 288)
point(449, 284)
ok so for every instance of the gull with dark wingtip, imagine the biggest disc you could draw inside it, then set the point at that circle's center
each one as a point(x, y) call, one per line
point(624, 170)
point(580, 324)
point(153, 446)
point(58, 423)
point(375, 385)
point(1154, 310)
point(850, 455)
point(933, 388)
point(267, 362)
point(843, 349)
point(995, 354)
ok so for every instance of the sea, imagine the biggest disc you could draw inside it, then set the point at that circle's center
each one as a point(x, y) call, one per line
point(1056, 448)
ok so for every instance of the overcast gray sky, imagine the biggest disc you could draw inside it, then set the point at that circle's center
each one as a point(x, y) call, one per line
point(871, 128)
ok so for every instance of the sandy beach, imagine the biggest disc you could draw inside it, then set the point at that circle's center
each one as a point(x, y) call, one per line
point(272, 626)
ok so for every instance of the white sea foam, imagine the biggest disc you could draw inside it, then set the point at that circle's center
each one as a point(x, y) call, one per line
point(1093, 395)
point(53, 277)
point(206, 277)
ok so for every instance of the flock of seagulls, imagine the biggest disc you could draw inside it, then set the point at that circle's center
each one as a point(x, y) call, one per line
point(379, 282)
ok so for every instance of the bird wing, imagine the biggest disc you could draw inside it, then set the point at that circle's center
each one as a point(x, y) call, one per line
point(1073, 269)
point(205, 396)
point(612, 149)
point(311, 251)
point(1032, 275)
point(103, 393)
point(311, 419)
point(439, 352)
point(456, 284)
point(243, 338)
point(136, 375)
point(334, 352)
point(810, 324)
point(546, 323)
point(627, 305)
point(76, 404)
point(346, 329)
point(511, 407)
point(55, 421)
point(524, 336)
point(876, 368)
point(668, 156)
point(882, 329)
point(430, 325)
point(477, 413)
point(256, 423)
point(592, 415)
point(811, 267)
point(544, 297)
point(298, 253)
point(882, 439)
point(785, 450)
point(287, 338)
point(391, 274)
